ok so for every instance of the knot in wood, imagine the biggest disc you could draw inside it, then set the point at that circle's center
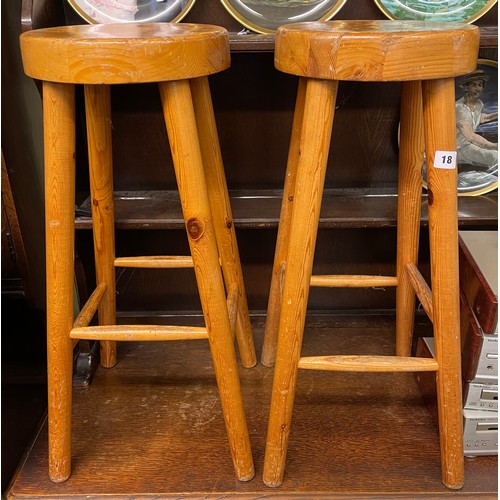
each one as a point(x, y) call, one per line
point(430, 196)
point(195, 228)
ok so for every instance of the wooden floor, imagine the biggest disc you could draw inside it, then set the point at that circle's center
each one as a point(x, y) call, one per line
point(152, 428)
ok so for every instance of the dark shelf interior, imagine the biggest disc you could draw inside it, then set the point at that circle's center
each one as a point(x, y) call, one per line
point(260, 209)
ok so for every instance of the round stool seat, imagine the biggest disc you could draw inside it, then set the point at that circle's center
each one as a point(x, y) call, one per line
point(124, 52)
point(376, 50)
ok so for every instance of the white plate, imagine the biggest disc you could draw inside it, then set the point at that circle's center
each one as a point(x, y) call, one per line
point(265, 16)
point(126, 11)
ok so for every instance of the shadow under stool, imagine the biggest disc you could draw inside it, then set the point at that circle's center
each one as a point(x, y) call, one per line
point(179, 57)
point(425, 57)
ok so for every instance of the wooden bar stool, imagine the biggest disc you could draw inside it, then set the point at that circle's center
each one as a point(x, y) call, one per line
point(425, 57)
point(180, 58)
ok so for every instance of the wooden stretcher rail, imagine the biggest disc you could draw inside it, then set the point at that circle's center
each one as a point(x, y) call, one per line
point(139, 332)
point(368, 364)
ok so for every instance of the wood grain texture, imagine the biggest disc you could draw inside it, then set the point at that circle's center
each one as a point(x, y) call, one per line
point(368, 364)
point(182, 131)
point(89, 309)
point(233, 298)
point(139, 332)
point(376, 50)
point(156, 262)
point(313, 147)
point(439, 126)
point(281, 251)
point(124, 52)
point(222, 216)
point(59, 160)
point(100, 151)
point(334, 51)
point(421, 288)
point(352, 281)
point(410, 177)
point(138, 53)
point(254, 122)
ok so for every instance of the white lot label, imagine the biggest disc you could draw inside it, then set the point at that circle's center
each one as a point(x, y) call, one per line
point(445, 159)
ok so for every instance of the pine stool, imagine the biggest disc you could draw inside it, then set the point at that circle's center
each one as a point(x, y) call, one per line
point(180, 58)
point(425, 57)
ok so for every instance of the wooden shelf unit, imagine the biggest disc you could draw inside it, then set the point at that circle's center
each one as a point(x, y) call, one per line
point(254, 110)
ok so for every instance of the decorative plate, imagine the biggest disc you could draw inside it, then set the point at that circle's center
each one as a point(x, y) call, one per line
point(477, 166)
point(126, 11)
point(465, 11)
point(265, 16)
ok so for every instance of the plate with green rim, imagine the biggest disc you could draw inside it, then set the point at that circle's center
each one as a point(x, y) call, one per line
point(128, 11)
point(466, 11)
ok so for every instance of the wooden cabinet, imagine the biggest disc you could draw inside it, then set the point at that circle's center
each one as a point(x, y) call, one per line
point(254, 110)
point(254, 107)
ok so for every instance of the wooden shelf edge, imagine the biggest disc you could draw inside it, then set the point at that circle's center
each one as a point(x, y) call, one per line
point(245, 41)
point(489, 36)
point(251, 42)
point(259, 209)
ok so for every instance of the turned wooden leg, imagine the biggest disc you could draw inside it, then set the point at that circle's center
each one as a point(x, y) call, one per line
point(314, 146)
point(182, 132)
point(280, 255)
point(411, 159)
point(222, 214)
point(98, 114)
point(440, 145)
point(59, 145)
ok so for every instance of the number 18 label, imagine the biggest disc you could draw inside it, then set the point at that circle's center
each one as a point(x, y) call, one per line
point(445, 159)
